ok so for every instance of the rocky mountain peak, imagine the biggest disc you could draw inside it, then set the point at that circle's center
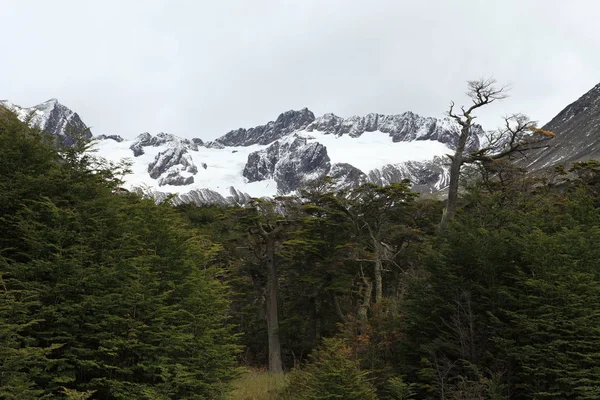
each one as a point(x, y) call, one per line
point(286, 123)
point(291, 163)
point(281, 156)
point(403, 127)
point(53, 118)
point(147, 140)
point(293, 120)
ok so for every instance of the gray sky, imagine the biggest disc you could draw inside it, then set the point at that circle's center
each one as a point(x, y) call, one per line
point(200, 68)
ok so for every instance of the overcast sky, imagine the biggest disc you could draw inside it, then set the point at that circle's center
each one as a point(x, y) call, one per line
point(200, 68)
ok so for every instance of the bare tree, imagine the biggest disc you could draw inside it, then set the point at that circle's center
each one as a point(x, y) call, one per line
point(519, 134)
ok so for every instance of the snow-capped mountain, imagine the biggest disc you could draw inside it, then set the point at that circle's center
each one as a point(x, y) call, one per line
point(279, 157)
point(53, 118)
point(283, 155)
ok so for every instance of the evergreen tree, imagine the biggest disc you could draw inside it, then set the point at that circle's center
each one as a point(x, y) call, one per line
point(331, 374)
point(102, 294)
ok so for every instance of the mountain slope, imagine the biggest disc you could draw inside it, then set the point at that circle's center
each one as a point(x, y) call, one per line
point(278, 157)
point(53, 118)
point(577, 129)
point(284, 155)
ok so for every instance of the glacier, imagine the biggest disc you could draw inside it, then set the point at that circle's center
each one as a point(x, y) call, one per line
point(277, 158)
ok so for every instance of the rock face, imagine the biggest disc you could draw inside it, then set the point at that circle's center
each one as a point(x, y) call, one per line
point(347, 176)
point(401, 128)
point(206, 196)
point(54, 119)
point(425, 176)
point(174, 178)
point(292, 163)
point(173, 165)
point(286, 154)
point(577, 129)
point(169, 165)
point(116, 138)
point(285, 124)
point(147, 140)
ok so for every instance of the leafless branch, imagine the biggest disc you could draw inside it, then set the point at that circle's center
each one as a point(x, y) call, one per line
point(518, 135)
point(484, 91)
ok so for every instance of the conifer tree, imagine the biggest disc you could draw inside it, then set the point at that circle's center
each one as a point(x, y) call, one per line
point(103, 294)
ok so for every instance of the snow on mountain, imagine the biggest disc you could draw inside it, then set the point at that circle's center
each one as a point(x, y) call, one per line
point(287, 123)
point(280, 167)
point(53, 118)
point(216, 169)
point(283, 155)
point(279, 157)
point(306, 155)
point(373, 150)
point(401, 128)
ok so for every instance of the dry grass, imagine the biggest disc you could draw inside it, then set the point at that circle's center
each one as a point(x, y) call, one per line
point(257, 385)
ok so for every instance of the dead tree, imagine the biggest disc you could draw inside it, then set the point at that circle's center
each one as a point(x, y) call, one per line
point(519, 134)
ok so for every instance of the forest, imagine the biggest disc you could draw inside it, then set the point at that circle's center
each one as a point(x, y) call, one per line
point(349, 294)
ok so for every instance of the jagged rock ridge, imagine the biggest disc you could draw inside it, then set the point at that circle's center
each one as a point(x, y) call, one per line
point(401, 128)
point(54, 119)
point(279, 157)
point(287, 122)
point(172, 166)
point(292, 163)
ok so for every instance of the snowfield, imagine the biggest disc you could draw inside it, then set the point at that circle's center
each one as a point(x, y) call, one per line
point(373, 150)
point(278, 157)
point(221, 169)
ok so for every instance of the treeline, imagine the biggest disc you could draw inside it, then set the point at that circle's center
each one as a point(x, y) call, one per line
point(376, 301)
point(103, 295)
point(356, 293)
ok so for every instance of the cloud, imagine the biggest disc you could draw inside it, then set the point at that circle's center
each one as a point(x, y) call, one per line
point(199, 68)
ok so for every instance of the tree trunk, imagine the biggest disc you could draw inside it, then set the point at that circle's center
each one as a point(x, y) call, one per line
point(455, 166)
point(378, 271)
point(365, 304)
point(338, 309)
point(275, 364)
point(313, 329)
point(452, 201)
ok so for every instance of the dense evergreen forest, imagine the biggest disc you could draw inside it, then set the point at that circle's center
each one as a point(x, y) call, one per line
point(355, 294)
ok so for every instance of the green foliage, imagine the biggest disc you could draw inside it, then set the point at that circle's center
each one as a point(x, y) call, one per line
point(72, 394)
point(398, 389)
point(509, 307)
point(553, 330)
point(102, 295)
point(106, 295)
point(331, 374)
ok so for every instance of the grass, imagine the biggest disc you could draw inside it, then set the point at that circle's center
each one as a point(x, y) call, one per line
point(257, 385)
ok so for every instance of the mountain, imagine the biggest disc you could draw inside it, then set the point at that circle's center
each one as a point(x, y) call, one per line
point(53, 118)
point(283, 155)
point(278, 157)
point(577, 129)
